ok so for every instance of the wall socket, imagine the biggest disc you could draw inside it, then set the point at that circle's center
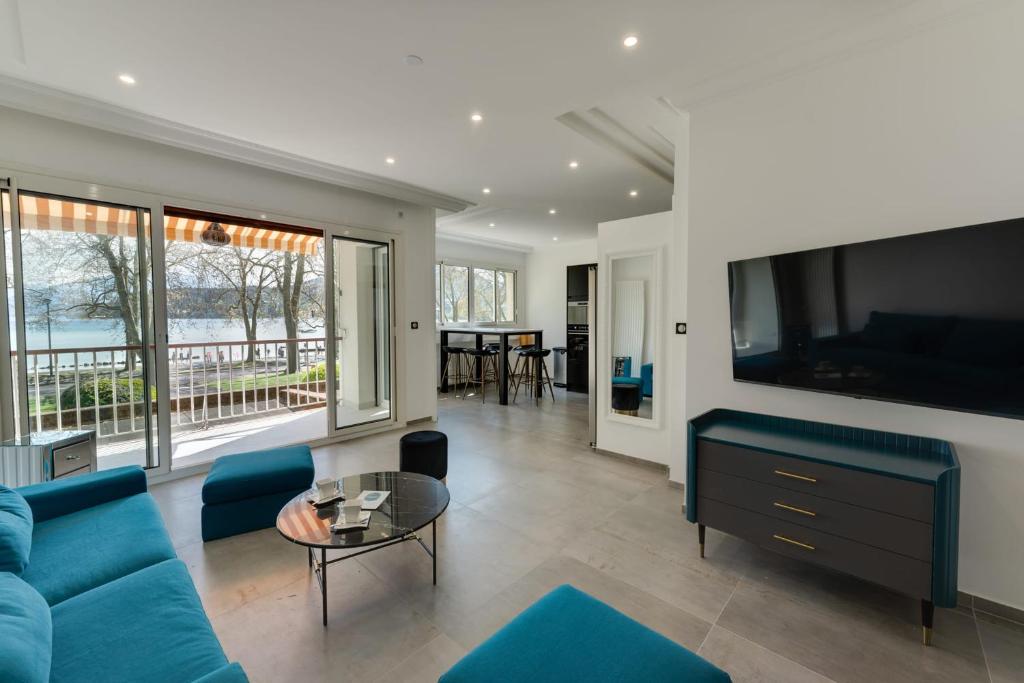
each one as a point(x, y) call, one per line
point(680, 328)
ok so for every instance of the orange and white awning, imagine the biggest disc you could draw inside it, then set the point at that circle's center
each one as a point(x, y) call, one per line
point(191, 230)
point(47, 213)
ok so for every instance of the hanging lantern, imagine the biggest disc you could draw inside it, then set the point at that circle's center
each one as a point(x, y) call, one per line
point(215, 236)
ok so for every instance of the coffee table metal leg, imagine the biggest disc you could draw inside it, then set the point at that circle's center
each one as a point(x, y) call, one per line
point(309, 556)
point(433, 547)
point(323, 581)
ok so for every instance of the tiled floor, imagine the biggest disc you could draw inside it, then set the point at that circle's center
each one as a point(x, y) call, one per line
point(533, 507)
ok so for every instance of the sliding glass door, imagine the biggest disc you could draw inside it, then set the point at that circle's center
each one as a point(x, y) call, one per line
point(363, 349)
point(80, 334)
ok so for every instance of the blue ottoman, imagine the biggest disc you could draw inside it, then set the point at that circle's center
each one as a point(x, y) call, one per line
point(569, 636)
point(245, 492)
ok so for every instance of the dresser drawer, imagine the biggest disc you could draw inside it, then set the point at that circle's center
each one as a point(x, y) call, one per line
point(899, 572)
point(863, 489)
point(73, 457)
point(864, 525)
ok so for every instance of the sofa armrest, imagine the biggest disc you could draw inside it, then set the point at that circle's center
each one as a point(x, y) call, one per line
point(229, 673)
point(57, 498)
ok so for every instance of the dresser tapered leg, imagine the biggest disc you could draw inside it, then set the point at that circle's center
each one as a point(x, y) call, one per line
point(927, 617)
point(701, 529)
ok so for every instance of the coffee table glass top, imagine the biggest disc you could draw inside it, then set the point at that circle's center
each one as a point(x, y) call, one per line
point(416, 500)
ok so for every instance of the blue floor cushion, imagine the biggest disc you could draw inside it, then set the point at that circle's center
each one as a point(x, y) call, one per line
point(147, 627)
point(569, 636)
point(250, 475)
point(79, 551)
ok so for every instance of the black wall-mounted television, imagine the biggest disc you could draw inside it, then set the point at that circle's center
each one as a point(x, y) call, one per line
point(933, 319)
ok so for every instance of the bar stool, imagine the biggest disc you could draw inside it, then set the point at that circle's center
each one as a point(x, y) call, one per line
point(487, 363)
point(516, 372)
point(456, 366)
point(531, 357)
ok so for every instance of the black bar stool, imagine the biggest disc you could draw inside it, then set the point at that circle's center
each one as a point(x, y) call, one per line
point(487, 362)
point(456, 367)
point(529, 376)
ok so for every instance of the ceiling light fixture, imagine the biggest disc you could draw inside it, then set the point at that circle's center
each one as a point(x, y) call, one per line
point(127, 79)
point(552, 211)
point(633, 193)
point(476, 117)
point(412, 60)
point(390, 160)
point(630, 41)
point(574, 165)
point(554, 239)
point(487, 190)
point(490, 225)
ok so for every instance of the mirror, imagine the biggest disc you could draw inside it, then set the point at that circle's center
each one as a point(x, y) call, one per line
point(633, 289)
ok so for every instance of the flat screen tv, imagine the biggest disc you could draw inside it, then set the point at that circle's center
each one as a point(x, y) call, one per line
point(933, 319)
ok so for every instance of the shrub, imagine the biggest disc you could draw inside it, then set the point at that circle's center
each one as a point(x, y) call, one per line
point(318, 373)
point(87, 393)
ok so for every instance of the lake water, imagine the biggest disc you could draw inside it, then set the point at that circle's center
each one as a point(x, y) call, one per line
point(99, 333)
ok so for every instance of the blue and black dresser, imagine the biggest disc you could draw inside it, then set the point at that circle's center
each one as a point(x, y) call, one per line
point(877, 505)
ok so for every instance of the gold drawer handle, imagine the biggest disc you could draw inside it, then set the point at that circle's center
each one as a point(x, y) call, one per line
point(805, 546)
point(795, 509)
point(796, 476)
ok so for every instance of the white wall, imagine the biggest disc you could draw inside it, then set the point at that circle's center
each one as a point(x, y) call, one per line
point(914, 136)
point(636, 437)
point(31, 143)
point(546, 286)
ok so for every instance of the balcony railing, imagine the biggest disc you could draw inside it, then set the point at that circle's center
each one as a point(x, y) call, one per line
point(102, 387)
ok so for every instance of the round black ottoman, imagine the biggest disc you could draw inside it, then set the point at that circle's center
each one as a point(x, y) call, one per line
point(626, 398)
point(424, 452)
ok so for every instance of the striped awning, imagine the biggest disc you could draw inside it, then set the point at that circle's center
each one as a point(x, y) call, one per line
point(48, 213)
point(191, 230)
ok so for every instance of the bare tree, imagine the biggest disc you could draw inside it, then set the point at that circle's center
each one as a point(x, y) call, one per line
point(245, 276)
point(301, 304)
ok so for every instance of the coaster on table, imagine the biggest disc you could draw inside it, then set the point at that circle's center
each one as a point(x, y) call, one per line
point(371, 500)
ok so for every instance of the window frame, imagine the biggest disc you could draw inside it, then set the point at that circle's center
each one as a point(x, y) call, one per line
point(473, 266)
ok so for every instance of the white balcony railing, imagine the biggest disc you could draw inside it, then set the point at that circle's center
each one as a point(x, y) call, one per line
point(101, 388)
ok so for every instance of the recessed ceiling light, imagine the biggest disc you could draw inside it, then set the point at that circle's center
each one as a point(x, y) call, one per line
point(263, 216)
point(476, 117)
point(552, 211)
point(390, 160)
point(412, 60)
point(633, 193)
point(490, 225)
point(630, 41)
point(574, 164)
point(127, 79)
point(554, 239)
point(487, 190)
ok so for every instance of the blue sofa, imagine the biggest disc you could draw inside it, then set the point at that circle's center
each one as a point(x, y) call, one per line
point(91, 589)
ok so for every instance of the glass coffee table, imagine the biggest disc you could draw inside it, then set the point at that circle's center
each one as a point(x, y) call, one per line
point(415, 501)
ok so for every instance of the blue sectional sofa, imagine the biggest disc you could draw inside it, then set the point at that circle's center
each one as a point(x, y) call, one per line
point(91, 589)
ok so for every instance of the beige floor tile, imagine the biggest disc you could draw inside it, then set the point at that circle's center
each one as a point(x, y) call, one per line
point(854, 644)
point(1004, 648)
point(233, 571)
point(428, 663)
point(748, 662)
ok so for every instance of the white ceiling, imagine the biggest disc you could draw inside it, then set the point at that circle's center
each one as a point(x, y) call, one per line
point(325, 80)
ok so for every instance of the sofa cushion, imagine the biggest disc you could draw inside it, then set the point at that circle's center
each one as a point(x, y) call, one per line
point(569, 636)
point(986, 343)
point(25, 632)
point(88, 548)
point(248, 475)
point(153, 629)
point(15, 531)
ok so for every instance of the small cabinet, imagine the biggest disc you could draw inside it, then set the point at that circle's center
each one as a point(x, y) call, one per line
point(44, 456)
point(577, 288)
